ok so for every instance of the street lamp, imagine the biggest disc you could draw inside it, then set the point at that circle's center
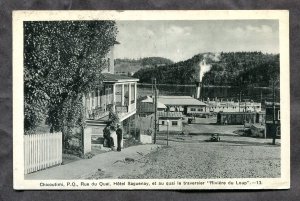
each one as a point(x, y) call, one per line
point(168, 132)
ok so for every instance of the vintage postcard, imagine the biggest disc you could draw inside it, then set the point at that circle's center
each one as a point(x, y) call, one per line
point(151, 100)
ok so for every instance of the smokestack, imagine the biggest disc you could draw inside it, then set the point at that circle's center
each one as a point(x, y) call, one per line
point(201, 70)
point(198, 89)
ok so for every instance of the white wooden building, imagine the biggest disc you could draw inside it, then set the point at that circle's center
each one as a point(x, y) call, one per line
point(185, 104)
point(171, 121)
point(231, 106)
point(118, 93)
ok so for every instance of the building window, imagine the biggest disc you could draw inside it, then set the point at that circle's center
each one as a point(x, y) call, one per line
point(278, 117)
point(193, 109)
point(200, 109)
point(162, 122)
point(174, 123)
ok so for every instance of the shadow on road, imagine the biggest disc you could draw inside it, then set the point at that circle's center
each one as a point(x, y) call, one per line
point(247, 143)
point(222, 142)
point(209, 134)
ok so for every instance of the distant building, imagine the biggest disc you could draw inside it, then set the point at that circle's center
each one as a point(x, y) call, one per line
point(240, 118)
point(231, 106)
point(171, 121)
point(184, 104)
point(128, 73)
point(146, 106)
point(272, 125)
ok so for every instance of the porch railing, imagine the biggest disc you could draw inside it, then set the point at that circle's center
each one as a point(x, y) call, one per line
point(121, 109)
point(97, 113)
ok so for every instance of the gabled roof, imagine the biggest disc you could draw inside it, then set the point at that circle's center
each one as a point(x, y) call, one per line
point(169, 114)
point(180, 100)
point(108, 77)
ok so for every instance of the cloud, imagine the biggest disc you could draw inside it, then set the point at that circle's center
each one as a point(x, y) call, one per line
point(180, 40)
point(176, 30)
point(259, 29)
point(250, 30)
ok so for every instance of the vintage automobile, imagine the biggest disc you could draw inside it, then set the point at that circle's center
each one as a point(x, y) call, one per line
point(215, 138)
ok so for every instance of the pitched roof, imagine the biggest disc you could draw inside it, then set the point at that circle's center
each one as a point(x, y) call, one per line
point(108, 77)
point(169, 114)
point(180, 100)
point(150, 100)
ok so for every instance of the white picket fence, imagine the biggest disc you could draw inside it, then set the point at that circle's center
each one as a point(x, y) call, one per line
point(42, 151)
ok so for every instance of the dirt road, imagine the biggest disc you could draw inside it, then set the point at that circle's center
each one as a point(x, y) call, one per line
point(191, 156)
point(233, 157)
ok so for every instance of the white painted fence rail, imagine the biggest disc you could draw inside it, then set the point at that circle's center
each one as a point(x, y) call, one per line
point(42, 151)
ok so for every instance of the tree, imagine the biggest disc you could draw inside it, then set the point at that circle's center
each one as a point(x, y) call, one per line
point(232, 68)
point(62, 61)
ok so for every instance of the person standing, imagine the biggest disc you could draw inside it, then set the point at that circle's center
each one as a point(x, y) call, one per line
point(113, 137)
point(119, 137)
point(107, 135)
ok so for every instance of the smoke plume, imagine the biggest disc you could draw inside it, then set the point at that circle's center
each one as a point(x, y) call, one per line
point(203, 68)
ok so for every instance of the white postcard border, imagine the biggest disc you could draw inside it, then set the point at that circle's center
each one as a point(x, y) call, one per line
point(104, 184)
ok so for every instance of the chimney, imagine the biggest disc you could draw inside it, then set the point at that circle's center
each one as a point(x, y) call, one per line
point(111, 63)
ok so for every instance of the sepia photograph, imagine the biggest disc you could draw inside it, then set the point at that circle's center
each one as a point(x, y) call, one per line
point(151, 100)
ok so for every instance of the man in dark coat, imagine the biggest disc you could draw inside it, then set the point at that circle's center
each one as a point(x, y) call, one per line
point(119, 137)
point(107, 137)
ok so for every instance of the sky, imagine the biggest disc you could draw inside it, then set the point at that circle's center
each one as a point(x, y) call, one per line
point(180, 40)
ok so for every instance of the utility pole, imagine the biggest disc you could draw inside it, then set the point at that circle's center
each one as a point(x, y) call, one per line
point(245, 105)
point(135, 125)
point(240, 101)
point(168, 132)
point(155, 111)
point(152, 86)
point(274, 115)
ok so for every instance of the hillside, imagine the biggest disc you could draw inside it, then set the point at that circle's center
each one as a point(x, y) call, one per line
point(231, 69)
point(133, 65)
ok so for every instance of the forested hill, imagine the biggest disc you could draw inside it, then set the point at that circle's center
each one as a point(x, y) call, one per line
point(133, 65)
point(231, 69)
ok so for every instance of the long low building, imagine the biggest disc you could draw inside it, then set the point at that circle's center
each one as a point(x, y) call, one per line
point(240, 118)
point(231, 106)
point(185, 104)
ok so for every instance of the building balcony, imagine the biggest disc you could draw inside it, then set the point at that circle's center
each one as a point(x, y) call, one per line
point(118, 93)
point(121, 109)
point(125, 111)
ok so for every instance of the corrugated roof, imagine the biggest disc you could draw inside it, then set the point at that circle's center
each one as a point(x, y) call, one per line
point(180, 100)
point(169, 114)
point(108, 77)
